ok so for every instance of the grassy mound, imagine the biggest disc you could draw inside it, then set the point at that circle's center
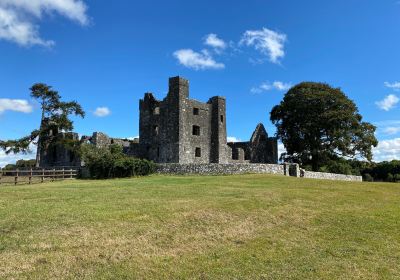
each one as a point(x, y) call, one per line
point(225, 227)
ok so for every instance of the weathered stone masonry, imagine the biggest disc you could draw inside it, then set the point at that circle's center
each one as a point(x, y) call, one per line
point(178, 129)
point(182, 130)
point(245, 168)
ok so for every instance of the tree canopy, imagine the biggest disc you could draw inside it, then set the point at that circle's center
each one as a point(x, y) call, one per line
point(55, 117)
point(318, 123)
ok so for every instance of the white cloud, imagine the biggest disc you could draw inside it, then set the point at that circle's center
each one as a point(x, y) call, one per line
point(102, 112)
point(268, 42)
point(388, 102)
point(281, 149)
point(13, 158)
point(233, 139)
point(391, 130)
point(395, 85)
point(277, 85)
point(387, 150)
point(197, 61)
point(17, 105)
point(212, 40)
point(18, 18)
point(281, 86)
point(388, 127)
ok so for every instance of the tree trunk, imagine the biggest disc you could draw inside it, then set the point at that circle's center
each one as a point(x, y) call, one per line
point(39, 142)
point(315, 161)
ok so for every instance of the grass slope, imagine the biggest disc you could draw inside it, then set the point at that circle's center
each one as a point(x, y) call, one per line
point(227, 227)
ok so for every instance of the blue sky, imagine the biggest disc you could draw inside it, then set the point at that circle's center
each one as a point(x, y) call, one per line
point(106, 55)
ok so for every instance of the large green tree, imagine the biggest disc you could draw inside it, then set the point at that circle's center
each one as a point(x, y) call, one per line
point(318, 123)
point(55, 117)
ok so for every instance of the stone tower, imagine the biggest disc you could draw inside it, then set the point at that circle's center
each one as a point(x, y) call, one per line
point(182, 130)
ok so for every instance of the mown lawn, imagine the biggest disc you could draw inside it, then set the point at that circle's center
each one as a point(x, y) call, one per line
point(227, 227)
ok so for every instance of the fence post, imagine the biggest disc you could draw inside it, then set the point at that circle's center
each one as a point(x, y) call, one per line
point(16, 177)
point(30, 176)
point(42, 175)
point(63, 173)
point(54, 174)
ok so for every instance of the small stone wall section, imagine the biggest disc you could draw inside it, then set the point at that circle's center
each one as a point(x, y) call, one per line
point(246, 168)
point(219, 169)
point(331, 176)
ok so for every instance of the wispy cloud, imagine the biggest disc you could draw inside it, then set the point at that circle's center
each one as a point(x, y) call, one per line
point(391, 130)
point(102, 112)
point(395, 85)
point(16, 105)
point(388, 127)
point(233, 139)
point(266, 41)
point(197, 60)
point(212, 40)
point(267, 86)
point(388, 103)
point(387, 150)
point(18, 18)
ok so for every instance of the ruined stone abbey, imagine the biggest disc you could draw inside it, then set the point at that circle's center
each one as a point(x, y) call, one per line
point(178, 129)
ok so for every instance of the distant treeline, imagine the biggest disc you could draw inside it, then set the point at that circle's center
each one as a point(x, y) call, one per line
point(386, 171)
point(21, 164)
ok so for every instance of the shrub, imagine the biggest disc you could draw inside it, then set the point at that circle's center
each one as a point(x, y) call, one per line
point(111, 162)
point(389, 177)
point(340, 167)
point(142, 167)
point(123, 167)
point(368, 178)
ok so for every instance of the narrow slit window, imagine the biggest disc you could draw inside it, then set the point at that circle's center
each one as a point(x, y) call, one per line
point(222, 118)
point(156, 130)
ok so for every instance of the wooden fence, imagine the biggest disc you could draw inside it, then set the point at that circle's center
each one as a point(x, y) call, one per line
point(30, 176)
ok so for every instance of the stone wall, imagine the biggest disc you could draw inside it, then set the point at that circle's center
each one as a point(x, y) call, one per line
point(219, 169)
point(331, 176)
point(244, 168)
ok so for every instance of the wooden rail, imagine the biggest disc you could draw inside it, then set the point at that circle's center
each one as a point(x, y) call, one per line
point(36, 175)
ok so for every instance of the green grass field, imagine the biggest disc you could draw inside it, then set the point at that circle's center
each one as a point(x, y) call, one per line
point(227, 227)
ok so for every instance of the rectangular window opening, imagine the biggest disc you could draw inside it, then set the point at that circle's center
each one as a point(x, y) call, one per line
point(198, 152)
point(195, 111)
point(196, 130)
